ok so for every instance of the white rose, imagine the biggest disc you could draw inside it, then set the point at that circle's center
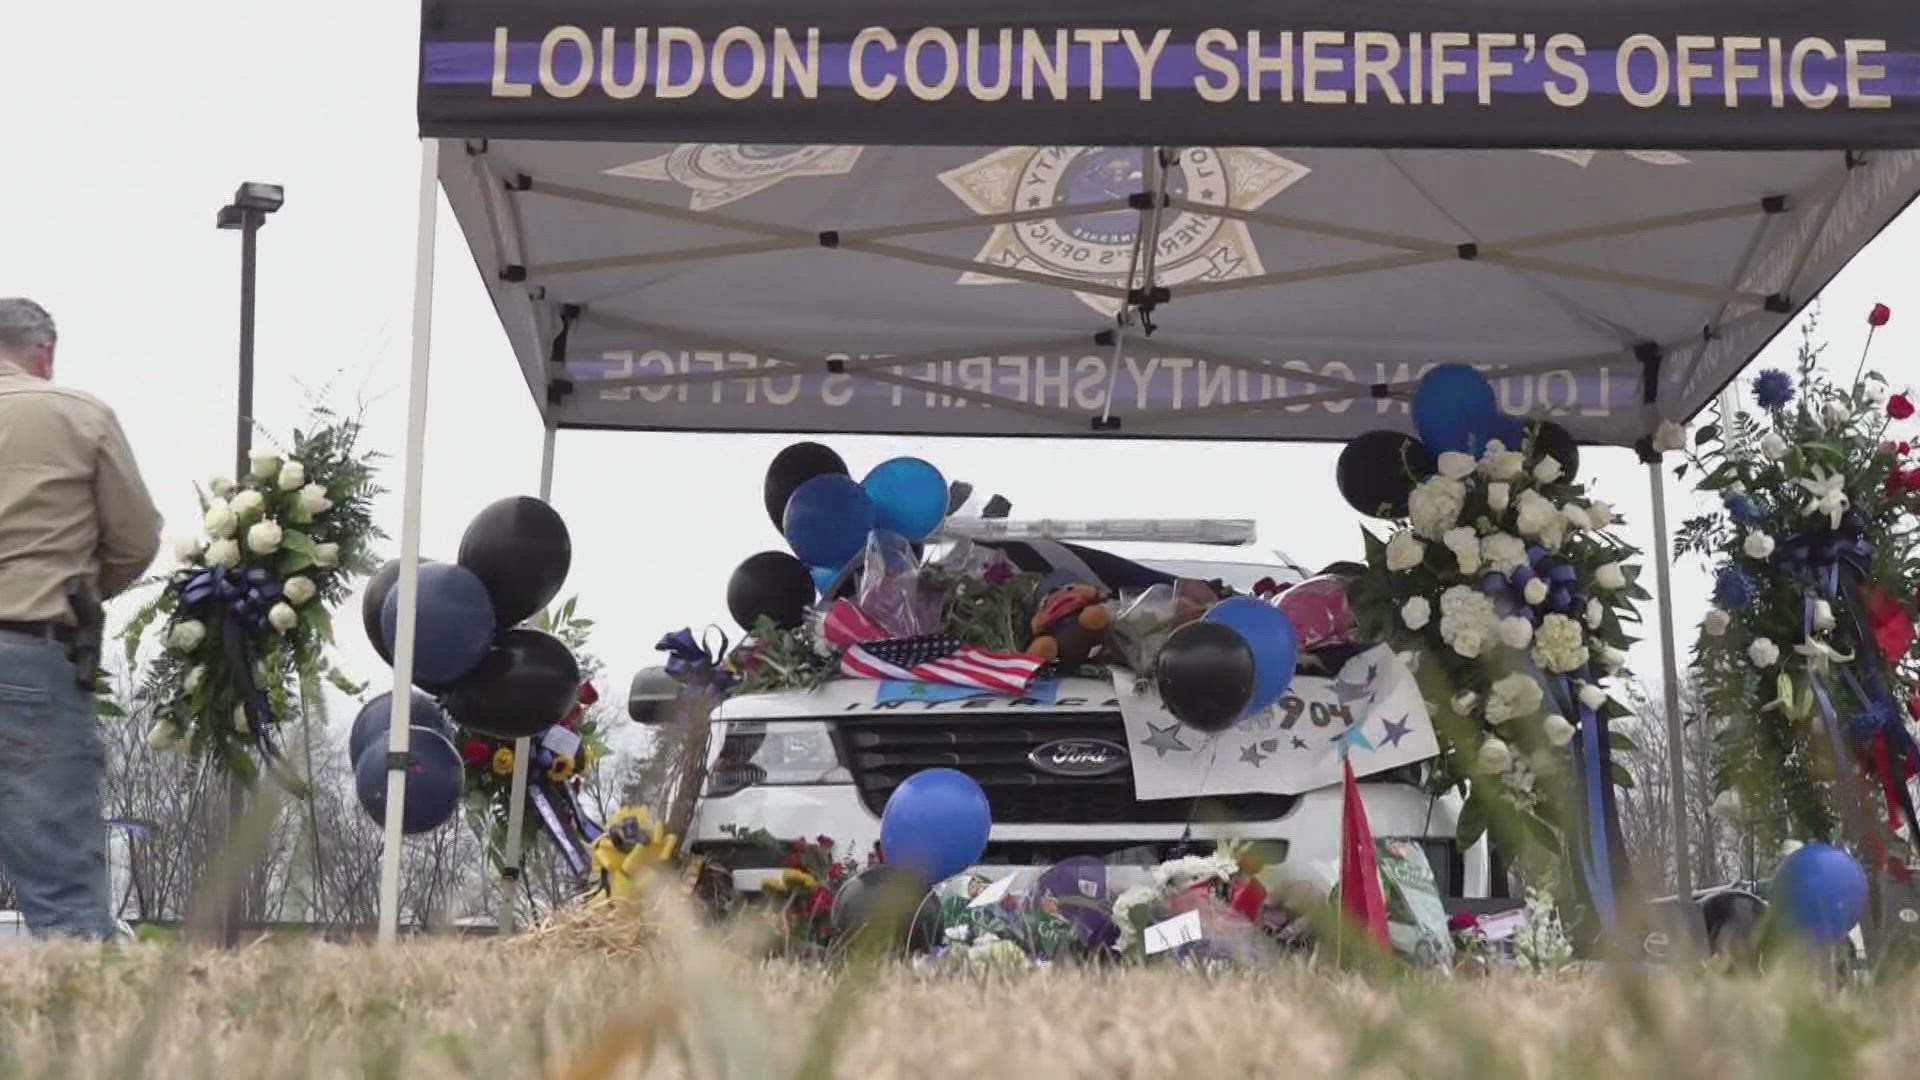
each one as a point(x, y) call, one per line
point(163, 737)
point(1455, 465)
point(223, 553)
point(1548, 469)
point(299, 590)
point(1716, 622)
point(283, 618)
point(248, 503)
point(264, 538)
point(186, 635)
point(196, 675)
point(1464, 702)
point(1499, 496)
point(1404, 552)
point(1773, 446)
point(1763, 652)
point(1435, 505)
point(293, 476)
point(1535, 592)
point(1465, 546)
point(1822, 615)
point(326, 556)
point(1503, 552)
point(1537, 515)
point(1514, 695)
point(1836, 415)
point(1614, 659)
point(265, 463)
point(1468, 644)
point(1758, 546)
point(1726, 805)
point(1596, 614)
point(1516, 632)
point(1592, 696)
point(1500, 463)
point(220, 521)
point(1557, 730)
point(1876, 392)
point(1599, 516)
point(188, 550)
point(314, 501)
point(1495, 755)
point(1559, 646)
point(1669, 436)
point(1416, 613)
point(1610, 576)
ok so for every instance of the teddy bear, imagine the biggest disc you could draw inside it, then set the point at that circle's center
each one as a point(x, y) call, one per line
point(1070, 626)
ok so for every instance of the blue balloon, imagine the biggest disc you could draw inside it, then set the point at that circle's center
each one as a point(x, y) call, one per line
point(454, 627)
point(828, 519)
point(935, 824)
point(376, 718)
point(909, 497)
point(823, 577)
point(1822, 892)
point(1270, 635)
point(435, 777)
point(1454, 409)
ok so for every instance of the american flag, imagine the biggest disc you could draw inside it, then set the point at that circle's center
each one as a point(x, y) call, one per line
point(931, 658)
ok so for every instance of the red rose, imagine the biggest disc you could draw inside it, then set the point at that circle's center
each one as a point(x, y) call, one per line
point(475, 753)
point(1899, 407)
point(824, 842)
point(1879, 316)
point(822, 904)
point(836, 871)
point(588, 695)
point(1896, 481)
point(1906, 448)
point(1912, 477)
point(1913, 706)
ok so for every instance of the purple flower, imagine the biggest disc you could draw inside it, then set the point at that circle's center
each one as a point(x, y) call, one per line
point(1742, 509)
point(1733, 590)
point(1773, 389)
point(997, 572)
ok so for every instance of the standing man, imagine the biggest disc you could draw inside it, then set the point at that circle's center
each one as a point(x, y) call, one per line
point(76, 523)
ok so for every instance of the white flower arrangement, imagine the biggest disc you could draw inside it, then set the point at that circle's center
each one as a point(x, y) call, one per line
point(1559, 646)
point(1435, 506)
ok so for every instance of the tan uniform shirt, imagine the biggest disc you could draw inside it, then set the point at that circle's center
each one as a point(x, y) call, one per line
point(71, 500)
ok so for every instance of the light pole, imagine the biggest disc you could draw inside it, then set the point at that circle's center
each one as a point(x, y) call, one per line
point(248, 211)
point(251, 204)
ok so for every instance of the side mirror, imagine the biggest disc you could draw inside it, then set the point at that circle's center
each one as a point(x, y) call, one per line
point(652, 692)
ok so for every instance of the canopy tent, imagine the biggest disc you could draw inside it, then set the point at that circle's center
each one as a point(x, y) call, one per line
point(925, 216)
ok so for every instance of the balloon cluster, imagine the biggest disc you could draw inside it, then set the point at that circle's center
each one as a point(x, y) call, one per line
point(827, 519)
point(1236, 660)
point(473, 663)
point(1454, 411)
point(935, 825)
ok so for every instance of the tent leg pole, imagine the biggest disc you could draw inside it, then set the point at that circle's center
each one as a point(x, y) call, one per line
point(522, 749)
point(408, 587)
point(1670, 673)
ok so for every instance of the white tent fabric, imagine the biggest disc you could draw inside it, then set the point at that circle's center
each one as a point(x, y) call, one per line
point(1296, 294)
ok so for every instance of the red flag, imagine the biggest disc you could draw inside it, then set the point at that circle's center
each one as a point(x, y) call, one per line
point(1360, 894)
point(933, 658)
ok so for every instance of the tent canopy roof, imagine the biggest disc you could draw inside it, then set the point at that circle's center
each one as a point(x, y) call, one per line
point(1611, 257)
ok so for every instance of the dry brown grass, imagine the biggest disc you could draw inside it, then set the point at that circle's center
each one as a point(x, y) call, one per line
point(594, 996)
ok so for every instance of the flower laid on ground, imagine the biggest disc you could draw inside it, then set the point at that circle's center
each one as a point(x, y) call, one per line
point(1508, 584)
point(1815, 572)
point(244, 621)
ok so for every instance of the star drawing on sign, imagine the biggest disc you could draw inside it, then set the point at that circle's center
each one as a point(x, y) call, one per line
point(1164, 739)
point(1351, 738)
point(1299, 743)
point(1396, 730)
point(1251, 755)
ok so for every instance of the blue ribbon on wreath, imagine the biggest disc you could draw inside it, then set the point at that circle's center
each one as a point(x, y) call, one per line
point(697, 663)
point(1562, 582)
point(234, 604)
point(1592, 761)
point(561, 814)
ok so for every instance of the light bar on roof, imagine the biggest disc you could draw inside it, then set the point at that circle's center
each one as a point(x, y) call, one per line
point(1176, 531)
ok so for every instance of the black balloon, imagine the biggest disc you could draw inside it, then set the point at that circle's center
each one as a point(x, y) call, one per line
point(520, 550)
point(890, 901)
point(774, 584)
point(1205, 675)
point(792, 467)
point(528, 682)
point(1378, 470)
point(375, 598)
point(1554, 441)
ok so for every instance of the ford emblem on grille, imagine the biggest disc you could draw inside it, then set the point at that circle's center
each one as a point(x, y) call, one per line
point(1079, 757)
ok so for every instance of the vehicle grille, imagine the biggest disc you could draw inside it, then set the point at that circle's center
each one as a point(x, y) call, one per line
point(993, 751)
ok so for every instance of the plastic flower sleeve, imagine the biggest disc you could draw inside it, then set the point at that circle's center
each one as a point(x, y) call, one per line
point(892, 592)
point(1148, 616)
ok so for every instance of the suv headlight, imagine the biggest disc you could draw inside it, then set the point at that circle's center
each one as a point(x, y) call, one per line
point(784, 754)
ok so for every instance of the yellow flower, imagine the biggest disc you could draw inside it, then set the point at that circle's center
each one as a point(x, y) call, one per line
point(560, 770)
point(503, 762)
point(791, 880)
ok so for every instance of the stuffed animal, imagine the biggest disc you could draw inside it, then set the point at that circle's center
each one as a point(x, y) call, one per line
point(1070, 627)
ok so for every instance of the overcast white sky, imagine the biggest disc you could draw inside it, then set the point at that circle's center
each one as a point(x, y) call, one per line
point(122, 141)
